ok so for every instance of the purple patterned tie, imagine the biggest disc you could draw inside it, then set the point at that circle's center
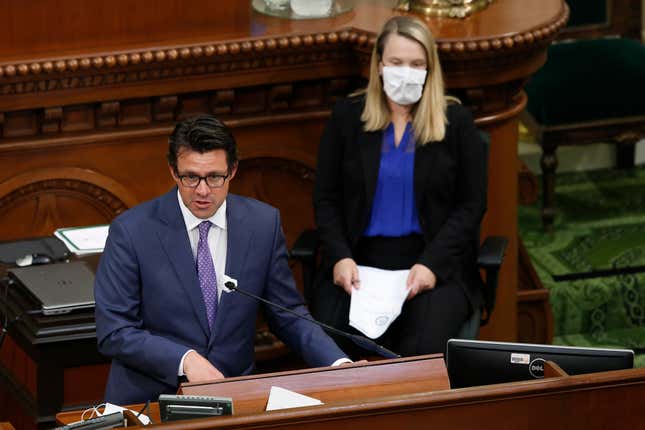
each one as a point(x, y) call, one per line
point(206, 273)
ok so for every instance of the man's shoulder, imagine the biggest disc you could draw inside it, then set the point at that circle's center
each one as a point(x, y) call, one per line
point(143, 212)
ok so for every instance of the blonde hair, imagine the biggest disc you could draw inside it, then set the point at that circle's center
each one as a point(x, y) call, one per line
point(429, 113)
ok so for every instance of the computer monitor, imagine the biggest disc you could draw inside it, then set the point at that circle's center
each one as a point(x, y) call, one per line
point(475, 362)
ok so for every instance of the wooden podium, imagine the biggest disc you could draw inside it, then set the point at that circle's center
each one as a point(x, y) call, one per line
point(354, 383)
point(414, 393)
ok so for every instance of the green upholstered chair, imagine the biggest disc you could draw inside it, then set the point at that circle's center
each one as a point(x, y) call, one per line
point(591, 88)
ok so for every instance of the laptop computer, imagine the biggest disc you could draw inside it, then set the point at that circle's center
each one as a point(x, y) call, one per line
point(60, 288)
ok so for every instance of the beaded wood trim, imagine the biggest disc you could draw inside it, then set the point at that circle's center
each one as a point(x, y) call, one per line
point(168, 57)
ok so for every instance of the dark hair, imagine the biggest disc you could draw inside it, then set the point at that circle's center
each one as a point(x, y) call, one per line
point(202, 134)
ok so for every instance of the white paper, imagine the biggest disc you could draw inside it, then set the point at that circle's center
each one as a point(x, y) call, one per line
point(84, 240)
point(281, 398)
point(378, 301)
point(110, 409)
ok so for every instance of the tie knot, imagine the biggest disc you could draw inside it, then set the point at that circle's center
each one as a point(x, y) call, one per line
point(203, 229)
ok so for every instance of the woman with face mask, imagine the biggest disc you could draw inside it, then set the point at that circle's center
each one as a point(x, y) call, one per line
point(401, 184)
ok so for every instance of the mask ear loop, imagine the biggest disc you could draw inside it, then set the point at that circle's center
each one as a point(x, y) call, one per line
point(94, 412)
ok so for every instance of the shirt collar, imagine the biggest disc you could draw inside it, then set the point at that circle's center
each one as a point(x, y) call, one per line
point(191, 221)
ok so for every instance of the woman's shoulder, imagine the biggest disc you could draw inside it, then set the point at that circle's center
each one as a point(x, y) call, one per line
point(456, 111)
point(351, 105)
point(459, 117)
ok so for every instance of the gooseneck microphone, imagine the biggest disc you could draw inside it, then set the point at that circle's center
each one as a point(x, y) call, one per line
point(361, 341)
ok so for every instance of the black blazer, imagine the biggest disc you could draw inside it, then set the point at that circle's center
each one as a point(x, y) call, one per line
point(450, 182)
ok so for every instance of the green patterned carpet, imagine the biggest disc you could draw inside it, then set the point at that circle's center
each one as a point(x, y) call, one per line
point(600, 229)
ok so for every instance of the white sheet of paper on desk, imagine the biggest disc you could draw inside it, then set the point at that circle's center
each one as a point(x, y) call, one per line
point(378, 301)
point(110, 409)
point(84, 240)
point(281, 398)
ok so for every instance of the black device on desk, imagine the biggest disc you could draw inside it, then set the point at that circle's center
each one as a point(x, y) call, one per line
point(108, 421)
point(41, 250)
point(174, 407)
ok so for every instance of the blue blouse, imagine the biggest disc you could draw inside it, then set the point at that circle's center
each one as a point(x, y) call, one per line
point(394, 211)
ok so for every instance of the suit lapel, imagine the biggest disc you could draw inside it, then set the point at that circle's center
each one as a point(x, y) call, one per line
point(174, 239)
point(370, 147)
point(237, 246)
point(238, 237)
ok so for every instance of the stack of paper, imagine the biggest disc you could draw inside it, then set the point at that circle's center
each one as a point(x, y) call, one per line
point(110, 409)
point(378, 301)
point(84, 240)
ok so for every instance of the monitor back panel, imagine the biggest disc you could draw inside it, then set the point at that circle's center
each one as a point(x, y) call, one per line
point(471, 363)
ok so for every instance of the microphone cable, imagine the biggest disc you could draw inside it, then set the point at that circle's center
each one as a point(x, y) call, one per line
point(146, 409)
point(361, 341)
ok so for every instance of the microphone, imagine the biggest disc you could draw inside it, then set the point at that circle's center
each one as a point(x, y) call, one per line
point(361, 341)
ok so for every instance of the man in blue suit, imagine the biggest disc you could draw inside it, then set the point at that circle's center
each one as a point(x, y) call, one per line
point(163, 312)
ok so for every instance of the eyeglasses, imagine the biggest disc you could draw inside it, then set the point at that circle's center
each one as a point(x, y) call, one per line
point(193, 181)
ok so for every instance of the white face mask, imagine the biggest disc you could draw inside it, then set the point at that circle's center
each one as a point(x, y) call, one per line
point(403, 85)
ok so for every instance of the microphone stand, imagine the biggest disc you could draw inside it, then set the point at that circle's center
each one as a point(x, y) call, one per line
point(361, 341)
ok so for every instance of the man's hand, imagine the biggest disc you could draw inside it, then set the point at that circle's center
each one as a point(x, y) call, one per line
point(420, 279)
point(346, 275)
point(197, 368)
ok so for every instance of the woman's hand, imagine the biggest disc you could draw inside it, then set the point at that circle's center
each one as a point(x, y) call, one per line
point(346, 275)
point(420, 279)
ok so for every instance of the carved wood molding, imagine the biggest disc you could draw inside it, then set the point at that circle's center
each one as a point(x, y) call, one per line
point(123, 67)
point(175, 61)
point(230, 49)
point(529, 39)
point(293, 167)
point(278, 181)
point(249, 104)
point(97, 190)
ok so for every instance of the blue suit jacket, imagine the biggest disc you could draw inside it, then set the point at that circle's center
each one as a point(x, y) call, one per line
point(149, 306)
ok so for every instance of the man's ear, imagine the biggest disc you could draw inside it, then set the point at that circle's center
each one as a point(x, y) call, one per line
point(233, 171)
point(173, 173)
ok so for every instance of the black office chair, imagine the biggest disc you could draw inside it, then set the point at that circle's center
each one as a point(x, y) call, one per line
point(491, 255)
point(489, 259)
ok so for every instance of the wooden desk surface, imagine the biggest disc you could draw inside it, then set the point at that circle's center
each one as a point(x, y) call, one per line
point(332, 384)
point(349, 383)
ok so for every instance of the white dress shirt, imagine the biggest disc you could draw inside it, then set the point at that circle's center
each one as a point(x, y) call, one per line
point(217, 239)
